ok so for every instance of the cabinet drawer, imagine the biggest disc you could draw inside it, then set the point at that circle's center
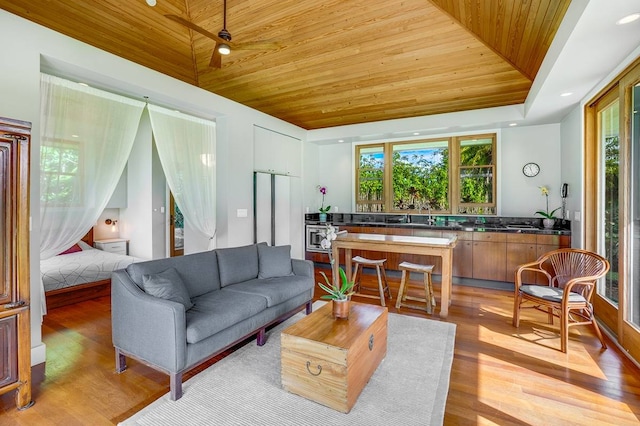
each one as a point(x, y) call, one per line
point(521, 238)
point(495, 237)
point(119, 247)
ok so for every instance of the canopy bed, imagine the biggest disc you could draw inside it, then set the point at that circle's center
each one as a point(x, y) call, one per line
point(80, 273)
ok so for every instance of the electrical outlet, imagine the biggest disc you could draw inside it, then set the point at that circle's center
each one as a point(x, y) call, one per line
point(576, 216)
point(242, 213)
point(335, 209)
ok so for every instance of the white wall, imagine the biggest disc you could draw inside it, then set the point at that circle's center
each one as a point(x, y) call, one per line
point(335, 173)
point(572, 172)
point(521, 195)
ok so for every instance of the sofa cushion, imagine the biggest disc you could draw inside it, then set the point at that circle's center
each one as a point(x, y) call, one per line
point(237, 264)
point(199, 271)
point(167, 285)
point(274, 261)
point(275, 290)
point(215, 311)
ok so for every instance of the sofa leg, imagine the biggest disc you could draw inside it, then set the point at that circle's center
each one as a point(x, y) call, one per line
point(121, 361)
point(261, 338)
point(309, 307)
point(175, 385)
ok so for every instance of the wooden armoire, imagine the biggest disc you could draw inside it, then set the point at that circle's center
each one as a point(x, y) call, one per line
point(15, 327)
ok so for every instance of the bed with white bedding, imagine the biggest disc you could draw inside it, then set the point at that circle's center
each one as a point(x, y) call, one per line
point(80, 275)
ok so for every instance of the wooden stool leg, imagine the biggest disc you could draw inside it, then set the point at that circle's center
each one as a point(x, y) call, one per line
point(356, 283)
point(427, 295)
point(432, 295)
point(386, 282)
point(402, 291)
point(380, 288)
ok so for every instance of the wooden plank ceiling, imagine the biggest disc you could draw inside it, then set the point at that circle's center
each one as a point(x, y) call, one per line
point(329, 62)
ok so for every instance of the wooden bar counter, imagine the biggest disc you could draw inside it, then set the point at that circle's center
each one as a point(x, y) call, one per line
point(430, 246)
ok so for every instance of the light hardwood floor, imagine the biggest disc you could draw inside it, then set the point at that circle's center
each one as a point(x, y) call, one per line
point(500, 375)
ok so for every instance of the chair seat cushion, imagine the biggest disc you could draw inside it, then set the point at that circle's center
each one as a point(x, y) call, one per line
point(552, 294)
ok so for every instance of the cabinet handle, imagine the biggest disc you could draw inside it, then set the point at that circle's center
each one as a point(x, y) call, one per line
point(14, 305)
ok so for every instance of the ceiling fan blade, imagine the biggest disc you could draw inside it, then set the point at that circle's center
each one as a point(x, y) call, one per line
point(180, 20)
point(216, 58)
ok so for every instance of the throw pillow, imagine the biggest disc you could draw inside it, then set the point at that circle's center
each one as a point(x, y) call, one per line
point(167, 285)
point(274, 261)
point(73, 249)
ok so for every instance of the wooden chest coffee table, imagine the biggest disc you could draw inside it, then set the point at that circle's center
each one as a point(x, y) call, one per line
point(330, 360)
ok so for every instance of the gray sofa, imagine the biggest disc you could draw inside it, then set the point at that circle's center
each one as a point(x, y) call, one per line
point(175, 313)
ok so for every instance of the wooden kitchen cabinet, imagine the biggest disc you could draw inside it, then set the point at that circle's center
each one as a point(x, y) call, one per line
point(462, 254)
point(489, 256)
point(521, 248)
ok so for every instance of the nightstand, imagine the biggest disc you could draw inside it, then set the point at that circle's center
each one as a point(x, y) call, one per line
point(113, 245)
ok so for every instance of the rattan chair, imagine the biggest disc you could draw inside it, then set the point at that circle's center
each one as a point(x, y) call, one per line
point(571, 276)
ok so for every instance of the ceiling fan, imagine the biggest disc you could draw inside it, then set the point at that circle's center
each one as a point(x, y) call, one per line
point(222, 39)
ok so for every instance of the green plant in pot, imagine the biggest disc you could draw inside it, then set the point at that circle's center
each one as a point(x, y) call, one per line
point(339, 294)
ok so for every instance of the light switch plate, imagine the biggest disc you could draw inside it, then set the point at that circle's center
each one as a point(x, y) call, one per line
point(242, 213)
point(576, 216)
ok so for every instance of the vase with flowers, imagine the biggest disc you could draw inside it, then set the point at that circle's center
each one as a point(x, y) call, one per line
point(323, 210)
point(338, 293)
point(549, 216)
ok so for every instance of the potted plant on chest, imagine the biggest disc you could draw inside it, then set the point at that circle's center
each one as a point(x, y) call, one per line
point(339, 294)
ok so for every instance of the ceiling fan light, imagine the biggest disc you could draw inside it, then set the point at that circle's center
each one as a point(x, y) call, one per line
point(224, 49)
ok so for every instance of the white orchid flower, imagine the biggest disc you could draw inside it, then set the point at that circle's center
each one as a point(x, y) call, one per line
point(325, 244)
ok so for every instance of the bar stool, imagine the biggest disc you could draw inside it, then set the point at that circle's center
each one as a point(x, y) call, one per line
point(361, 262)
point(429, 299)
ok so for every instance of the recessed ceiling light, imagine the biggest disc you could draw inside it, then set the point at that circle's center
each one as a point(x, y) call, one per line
point(513, 124)
point(340, 140)
point(565, 94)
point(151, 2)
point(83, 84)
point(628, 19)
point(75, 136)
point(416, 133)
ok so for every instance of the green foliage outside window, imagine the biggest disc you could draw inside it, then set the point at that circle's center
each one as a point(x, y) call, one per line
point(60, 174)
point(420, 176)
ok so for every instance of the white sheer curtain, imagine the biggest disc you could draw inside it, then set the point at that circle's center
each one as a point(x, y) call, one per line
point(86, 137)
point(186, 147)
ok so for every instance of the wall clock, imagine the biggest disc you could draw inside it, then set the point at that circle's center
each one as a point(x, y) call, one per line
point(531, 169)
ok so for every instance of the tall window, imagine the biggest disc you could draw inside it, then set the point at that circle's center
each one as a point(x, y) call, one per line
point(612, 199)
point(477, 176)
point(445, 175)
point(60, 173)
point(369, 179)
point(420, 175)
point(609, 137)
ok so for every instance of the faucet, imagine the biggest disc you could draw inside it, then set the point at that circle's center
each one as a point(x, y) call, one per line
point(430, 221)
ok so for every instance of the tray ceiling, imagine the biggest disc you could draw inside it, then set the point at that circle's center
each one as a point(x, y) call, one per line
point(327, 63)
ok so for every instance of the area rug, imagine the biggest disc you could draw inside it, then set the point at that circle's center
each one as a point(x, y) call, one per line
point(409, 387)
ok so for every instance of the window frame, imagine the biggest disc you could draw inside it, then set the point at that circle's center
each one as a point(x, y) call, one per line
point(62, 144)
point(454, 170)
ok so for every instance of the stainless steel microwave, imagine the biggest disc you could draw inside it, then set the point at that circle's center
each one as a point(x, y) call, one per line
point(314, 237)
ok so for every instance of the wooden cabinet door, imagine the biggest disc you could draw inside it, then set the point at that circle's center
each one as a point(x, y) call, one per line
point(521, 248)
point(8, 354)
point(15, 327)
point(489, 256)
point(463, 259)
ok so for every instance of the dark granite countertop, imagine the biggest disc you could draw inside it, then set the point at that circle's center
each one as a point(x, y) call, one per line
point(524, 225)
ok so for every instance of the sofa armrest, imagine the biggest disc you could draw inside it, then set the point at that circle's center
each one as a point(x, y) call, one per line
point(302, 267)
point(147, 327)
